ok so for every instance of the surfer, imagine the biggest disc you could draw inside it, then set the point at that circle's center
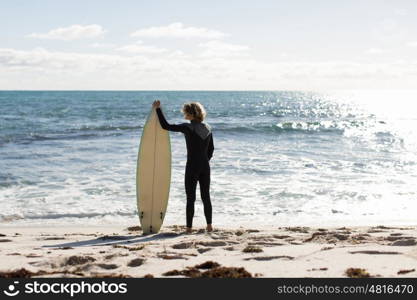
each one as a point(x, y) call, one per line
point(199, 141)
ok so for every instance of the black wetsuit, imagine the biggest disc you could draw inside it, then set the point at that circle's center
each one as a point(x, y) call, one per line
point(199, 140)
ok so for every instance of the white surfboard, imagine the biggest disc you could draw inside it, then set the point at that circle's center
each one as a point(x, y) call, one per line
point(153, 174)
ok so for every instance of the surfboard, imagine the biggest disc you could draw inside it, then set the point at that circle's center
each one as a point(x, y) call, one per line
point(153, 174)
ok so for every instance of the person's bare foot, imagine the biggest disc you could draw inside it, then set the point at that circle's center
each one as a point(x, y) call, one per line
point(209, 228)
point(188, 230)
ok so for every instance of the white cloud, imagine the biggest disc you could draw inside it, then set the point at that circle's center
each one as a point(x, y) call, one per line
point(178, 30)
point(218, 48)
point(72, 32)
point(400, 12)
point(42, 59)
point(139, 48)
point(412, 44)
point(376, 51)
point(43, 69)
point(102, 45)
point(178, 53)
point(389, 30)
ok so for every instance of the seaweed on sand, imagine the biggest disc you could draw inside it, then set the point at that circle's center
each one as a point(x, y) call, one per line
point(252, 249)
point(214, 271)
point(357, 273)
point(208, 265)
point(77, 260)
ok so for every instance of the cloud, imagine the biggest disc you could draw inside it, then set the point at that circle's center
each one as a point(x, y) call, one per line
point(43, 69)
point(220, 49)
point(376, 51)
point(102, 45)
point(400, 12)
point(45, 60)
point(389, 30)
point(412, 44)
point(140, 48)
point(178, 30)
point(72, 32)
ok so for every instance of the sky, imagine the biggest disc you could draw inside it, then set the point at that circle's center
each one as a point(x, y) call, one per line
point(208, 45)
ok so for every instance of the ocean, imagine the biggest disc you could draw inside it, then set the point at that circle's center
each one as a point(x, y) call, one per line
point(281, 158)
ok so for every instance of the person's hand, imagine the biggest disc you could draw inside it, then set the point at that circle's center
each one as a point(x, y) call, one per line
point(156, 104)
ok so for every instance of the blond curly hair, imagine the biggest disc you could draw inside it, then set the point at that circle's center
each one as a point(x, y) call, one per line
point(194, 109)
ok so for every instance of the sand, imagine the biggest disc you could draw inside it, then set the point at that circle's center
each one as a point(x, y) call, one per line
point(116, 251)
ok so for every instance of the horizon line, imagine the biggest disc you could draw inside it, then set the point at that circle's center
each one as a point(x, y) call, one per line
point(203, 90)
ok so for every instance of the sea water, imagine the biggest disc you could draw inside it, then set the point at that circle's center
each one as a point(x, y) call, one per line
point(281, 158)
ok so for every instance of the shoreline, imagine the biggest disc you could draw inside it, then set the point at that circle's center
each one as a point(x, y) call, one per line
point(257, 251)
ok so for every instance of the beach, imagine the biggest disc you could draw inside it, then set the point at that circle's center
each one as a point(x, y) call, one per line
point(291, 127)
point(303, 184)
point(262, 252)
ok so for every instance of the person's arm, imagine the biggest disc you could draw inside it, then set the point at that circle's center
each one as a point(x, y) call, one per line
point(210, 147)
point(165, 125)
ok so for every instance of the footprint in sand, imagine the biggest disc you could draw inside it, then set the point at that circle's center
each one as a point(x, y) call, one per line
point(280, 237)
point(33, 255)
point(203, 250)
point(213, 244)
point(396, 238)
point(317, 269)
point(266, 258)
point(136, 262)
point(405, 242)
point(169, 234)
point(108, 266)
point(266, 244)
point(166, 256)
point(185, 245)
point(375, 231)
point(326, 248)
point(298, 229)
point(262, 238)
point(53, 238)
point(374, 252)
